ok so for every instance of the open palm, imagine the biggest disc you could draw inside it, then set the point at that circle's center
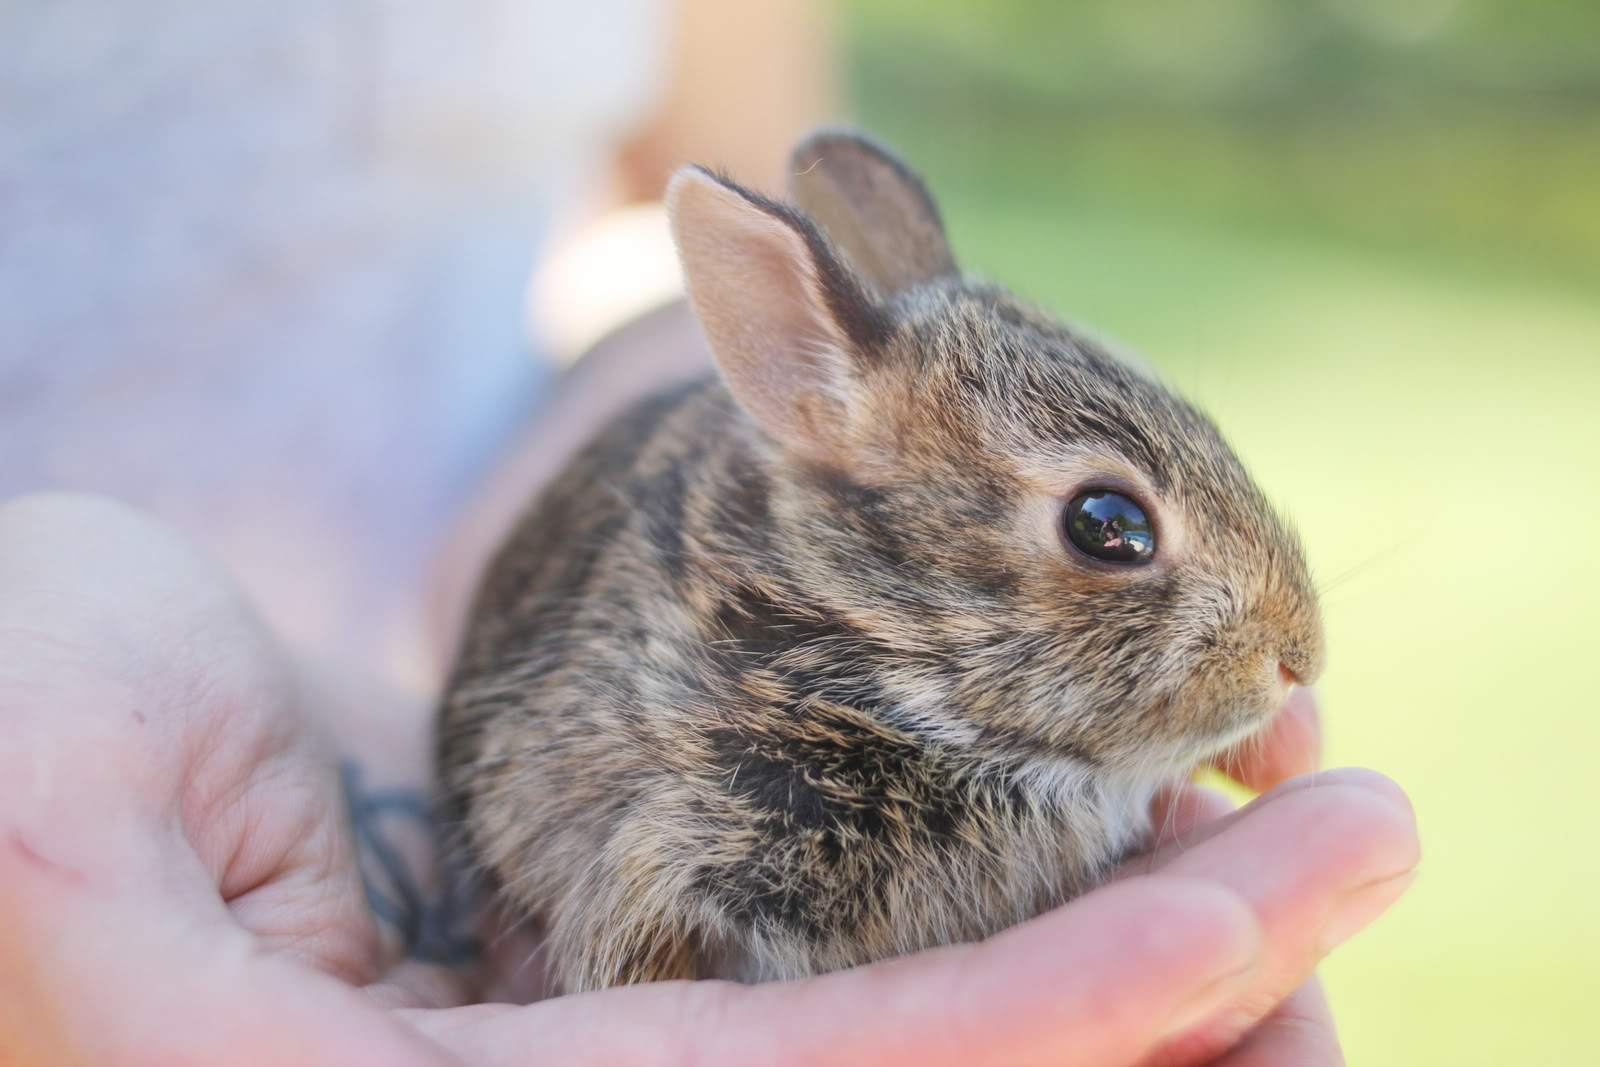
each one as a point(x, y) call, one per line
point(182, 887)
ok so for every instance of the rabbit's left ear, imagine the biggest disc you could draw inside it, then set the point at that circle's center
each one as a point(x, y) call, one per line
point(792, 329)
point(872, 206)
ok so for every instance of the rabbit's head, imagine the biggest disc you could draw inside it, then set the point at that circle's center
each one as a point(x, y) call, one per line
point(1043, 551)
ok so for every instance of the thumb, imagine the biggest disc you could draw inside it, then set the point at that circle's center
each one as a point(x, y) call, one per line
point(129, 956)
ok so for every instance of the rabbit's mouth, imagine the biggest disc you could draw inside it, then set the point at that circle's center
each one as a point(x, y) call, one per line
point(1240, 725)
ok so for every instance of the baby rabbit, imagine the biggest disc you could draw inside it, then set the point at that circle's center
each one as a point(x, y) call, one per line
point(882, 638)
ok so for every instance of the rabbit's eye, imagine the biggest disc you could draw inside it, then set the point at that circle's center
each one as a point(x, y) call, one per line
point(1108, 525)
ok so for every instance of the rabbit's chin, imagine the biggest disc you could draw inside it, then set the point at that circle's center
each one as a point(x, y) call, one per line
point(1244, 728)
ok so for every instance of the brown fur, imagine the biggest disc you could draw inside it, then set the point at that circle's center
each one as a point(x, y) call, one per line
point(757, 698)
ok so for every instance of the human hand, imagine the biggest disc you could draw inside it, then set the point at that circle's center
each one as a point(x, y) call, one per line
point(182, 887)
point(176, 865)
point(1274, 1029)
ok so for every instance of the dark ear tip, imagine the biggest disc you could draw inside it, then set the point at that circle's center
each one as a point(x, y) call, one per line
point(691, 173)
point(842, 149)
point(814, 147)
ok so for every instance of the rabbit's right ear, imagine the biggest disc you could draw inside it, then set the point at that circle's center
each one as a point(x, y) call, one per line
point(873, 206)
point(790, 326)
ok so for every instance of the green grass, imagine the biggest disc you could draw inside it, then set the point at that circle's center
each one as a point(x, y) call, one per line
point(1432, 428)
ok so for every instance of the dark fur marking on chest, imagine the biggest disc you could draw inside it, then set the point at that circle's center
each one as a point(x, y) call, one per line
point(817, 791)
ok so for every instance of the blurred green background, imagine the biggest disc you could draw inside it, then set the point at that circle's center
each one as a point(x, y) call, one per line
point(1365, 234)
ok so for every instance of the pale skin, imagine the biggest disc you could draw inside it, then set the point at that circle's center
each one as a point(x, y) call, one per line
point(181, 885)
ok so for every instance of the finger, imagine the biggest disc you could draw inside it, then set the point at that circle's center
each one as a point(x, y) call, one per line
point(135, 939)
point(414, 984)
point(1099, 982)
point(1191, 815)
point(1299, 1032)
point(1180, 818)
point(1316, 864)
point(1290, 745)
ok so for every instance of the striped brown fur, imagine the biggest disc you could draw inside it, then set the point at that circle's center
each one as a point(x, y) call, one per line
point(733, 705)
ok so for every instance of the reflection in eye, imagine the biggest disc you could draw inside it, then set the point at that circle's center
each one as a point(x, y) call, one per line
point(1107, 525)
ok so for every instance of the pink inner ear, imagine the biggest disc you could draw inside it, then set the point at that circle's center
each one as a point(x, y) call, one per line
point(755, 288)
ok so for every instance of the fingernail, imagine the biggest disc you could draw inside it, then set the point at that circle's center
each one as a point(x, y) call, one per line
point(1360, 906)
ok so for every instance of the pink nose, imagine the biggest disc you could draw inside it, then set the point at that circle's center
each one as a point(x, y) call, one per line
point(1286, 674)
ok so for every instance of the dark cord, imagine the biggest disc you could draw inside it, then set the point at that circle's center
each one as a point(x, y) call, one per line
point(432, 931)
